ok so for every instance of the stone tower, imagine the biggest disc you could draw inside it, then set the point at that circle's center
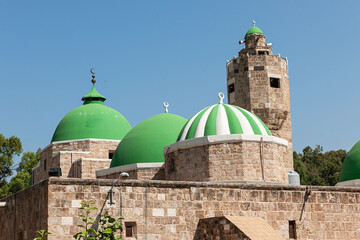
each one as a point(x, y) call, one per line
point(259, 82)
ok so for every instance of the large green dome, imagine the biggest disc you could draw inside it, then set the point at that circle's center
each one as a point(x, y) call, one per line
point(145, 142)
point(351, 166)
point(92, 120)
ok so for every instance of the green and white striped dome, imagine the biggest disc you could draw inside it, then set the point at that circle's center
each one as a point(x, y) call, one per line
point(223, 119)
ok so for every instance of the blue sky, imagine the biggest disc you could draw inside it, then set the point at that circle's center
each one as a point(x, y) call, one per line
point(148, 52)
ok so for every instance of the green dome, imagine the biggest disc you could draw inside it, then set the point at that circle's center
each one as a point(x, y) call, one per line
point(92, 120)
point(145, 142)
point(223, 119)
point(253, 30)
point(351, 166)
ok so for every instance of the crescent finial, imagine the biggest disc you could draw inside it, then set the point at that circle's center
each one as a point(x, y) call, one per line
point(166, 105)
point(93, 76)
point(221, 98)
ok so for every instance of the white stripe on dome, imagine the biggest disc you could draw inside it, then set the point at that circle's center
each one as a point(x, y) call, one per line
point(261, 127)
point(244, 123)
point(222, 122)
point(200, 128)
point(188, 125)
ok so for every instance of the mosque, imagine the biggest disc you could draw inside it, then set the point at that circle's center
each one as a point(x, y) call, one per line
point(225, 173)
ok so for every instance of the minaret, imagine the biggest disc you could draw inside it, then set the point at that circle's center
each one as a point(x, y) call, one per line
point(259, 82)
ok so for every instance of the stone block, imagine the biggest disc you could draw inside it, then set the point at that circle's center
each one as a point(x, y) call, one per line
point(158, 212)
point(67, 221)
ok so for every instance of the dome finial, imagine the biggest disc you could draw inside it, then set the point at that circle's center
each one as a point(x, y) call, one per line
point(253, 22)
point(93, 76)
point(221, 97)
point(166, 105)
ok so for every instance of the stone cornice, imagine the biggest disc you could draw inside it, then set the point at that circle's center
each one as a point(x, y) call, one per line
point(216, 139)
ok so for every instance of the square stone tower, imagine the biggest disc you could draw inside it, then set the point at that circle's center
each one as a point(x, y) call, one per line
point(259, 82)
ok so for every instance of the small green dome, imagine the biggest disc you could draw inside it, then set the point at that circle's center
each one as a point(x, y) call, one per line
point(253, 30)
point(145, 142)
point(351, 166)
point(92, 120)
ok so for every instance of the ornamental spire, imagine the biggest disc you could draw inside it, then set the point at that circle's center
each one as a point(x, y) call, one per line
point(221, 98)
point(93, 76)
point(166, 105)
point(253, 22)
point(93, 96)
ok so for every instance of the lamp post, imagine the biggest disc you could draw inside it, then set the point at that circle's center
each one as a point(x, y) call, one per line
point(123, 176)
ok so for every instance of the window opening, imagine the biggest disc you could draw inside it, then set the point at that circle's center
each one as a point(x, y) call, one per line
point(130, 229)
point(275, 82)
point(111, 154)
point(45, 165)
point(263, 53)
point(172, 165)
point(236, 70)
point(246, 68)
point(292, 229)
point(259, 68)
point(231, 88)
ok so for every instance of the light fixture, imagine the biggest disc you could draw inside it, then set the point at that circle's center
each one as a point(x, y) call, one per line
point(122, 176)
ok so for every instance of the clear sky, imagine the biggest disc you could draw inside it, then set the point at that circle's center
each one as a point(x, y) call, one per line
point(148, 52)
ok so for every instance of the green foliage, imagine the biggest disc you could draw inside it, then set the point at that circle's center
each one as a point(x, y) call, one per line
point(9, 147)
point(19, 182)
point(29, 161)
point(318, 168)
point(42, 234)
point(108, 226)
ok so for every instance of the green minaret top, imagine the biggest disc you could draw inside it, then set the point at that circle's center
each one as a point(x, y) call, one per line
point(254, 29)
point(93, 96)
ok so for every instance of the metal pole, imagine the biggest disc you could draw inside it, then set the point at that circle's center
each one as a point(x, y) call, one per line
point(262, 158)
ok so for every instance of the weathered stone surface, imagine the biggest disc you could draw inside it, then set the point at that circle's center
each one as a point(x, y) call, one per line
point(67, 154)
point(251, 87)
point(240, 161)
point(326, 213)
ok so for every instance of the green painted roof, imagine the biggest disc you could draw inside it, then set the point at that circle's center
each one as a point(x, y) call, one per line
point(92, 120)
point(351, 166)
point(223, 119)
point(93, 94)
point(253, 30)
point(145, 142)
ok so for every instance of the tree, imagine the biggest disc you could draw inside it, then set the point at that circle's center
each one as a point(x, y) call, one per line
point(318, 168)
point(29, 161)
point(21, 180)
point(9, 147)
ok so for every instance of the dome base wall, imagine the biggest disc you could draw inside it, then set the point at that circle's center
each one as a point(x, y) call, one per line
point(228, 161)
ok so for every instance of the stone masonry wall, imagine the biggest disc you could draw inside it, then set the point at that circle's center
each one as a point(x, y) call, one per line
point(86, 168)
point(26, 213)
point(249, 75)
point(213, 228)
point(239, 161)
point(63, 154)
point(140, 174)
point(172, 210)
